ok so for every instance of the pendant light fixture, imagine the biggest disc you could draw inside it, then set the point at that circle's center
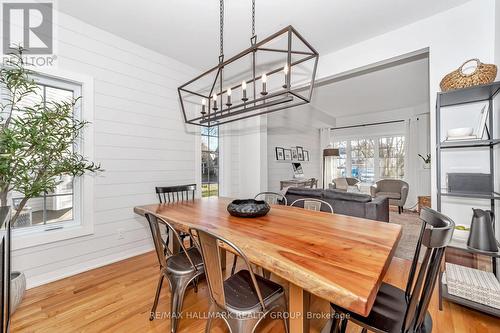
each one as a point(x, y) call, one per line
point(274, 74)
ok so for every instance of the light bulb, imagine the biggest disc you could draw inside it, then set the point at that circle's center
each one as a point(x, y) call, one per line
point(285, 69)
point(264, 78)
point(229, 91)
point(203, 102)
point(244, 85)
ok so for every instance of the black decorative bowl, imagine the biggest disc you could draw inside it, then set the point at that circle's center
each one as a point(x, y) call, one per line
point(248, 208)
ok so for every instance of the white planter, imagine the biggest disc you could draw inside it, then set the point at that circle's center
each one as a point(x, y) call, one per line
point(427, 165)
point(17, 289)
point(461, 235)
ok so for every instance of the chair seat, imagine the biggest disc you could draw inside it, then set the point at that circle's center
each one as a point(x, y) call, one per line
point(179, 263)
point(388, 311)
point(390, 195)
point(241, 296)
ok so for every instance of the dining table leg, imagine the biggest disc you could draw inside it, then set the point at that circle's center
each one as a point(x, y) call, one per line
point(299, 301)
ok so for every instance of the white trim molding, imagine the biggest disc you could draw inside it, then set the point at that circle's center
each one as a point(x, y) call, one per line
point(29, 237)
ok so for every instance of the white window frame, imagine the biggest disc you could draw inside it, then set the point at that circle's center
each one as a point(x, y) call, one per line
point(376, 165)
point(83, 191)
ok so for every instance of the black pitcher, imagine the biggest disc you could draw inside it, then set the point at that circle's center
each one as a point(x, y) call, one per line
point(482, 234)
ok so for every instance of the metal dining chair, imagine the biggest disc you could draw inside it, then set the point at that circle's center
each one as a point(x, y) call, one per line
point(397, 310)
point(313, 204)
point(272, 198)
point(179, 269)
point(176, 193)
point(243, 299)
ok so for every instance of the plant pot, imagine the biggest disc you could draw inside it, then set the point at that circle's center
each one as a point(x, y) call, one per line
point(17, 289)
point(461, 235)
point(427, 165)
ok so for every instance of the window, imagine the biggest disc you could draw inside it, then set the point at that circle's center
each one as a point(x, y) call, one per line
point(68, 212)
point(341, 160)
point(391, 157)
point(51, 209)
point(371, 159)
point(362, 160)
point(209, 161)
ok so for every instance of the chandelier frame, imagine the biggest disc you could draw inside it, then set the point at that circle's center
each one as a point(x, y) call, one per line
point(286, 97)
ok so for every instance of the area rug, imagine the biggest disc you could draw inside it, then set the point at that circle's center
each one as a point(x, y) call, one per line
point(411, 229)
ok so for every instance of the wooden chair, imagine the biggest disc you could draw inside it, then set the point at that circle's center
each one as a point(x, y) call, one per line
point(243, 299)
point(179, 269)
point(176, 193)
point(397, 310)
point(313, 204)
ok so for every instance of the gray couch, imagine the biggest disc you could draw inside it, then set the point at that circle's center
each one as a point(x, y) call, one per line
point(345, 203)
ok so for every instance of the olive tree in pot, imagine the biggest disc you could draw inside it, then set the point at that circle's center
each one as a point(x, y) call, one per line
point(36, 140)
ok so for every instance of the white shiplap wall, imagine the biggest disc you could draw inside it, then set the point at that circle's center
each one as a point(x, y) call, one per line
point(140, 140)
point(286, 129)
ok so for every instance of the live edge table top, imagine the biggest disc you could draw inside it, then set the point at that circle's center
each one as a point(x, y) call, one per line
point(342, 259)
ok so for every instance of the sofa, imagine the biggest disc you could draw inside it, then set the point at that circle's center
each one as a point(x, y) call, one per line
point(345, 203)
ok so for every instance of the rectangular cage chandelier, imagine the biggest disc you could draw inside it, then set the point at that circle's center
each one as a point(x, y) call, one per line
point(274, 74)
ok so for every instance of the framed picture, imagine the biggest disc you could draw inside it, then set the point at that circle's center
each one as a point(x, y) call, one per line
point(300, 153)
point(306, 155)
point(288, 154)
point(280, 154)
point(294, 153)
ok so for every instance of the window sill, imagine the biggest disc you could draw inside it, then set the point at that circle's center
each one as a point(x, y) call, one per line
point(22, 239)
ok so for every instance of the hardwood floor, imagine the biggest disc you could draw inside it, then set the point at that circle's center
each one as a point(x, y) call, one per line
point(118, 298)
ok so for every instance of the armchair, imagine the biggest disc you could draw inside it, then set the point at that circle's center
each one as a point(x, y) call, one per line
point(343, 183)
point(396, 190)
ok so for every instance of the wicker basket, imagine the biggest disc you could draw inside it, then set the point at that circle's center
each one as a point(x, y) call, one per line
point(457, 79)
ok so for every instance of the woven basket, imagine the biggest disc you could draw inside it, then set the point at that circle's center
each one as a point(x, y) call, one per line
point(457, 79)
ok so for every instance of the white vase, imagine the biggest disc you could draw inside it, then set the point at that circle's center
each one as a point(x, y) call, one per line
point(427, 165)
point(17, 289)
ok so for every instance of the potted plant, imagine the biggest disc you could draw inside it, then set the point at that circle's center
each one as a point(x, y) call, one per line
point(426, 159)
point(461, 232)
point(36, 140)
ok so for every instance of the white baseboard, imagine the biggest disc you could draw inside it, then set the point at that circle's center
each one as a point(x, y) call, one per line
point(65, 272)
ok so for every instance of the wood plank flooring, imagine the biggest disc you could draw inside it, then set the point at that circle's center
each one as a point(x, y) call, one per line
point(118, 298)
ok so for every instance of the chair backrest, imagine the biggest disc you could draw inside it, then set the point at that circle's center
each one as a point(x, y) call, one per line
point(313, 204)
point(209, 245)
point(391, 185)
point(161, 245)
point(435, 235)
point(352, 181)
point(272, 198)
point(175, 193)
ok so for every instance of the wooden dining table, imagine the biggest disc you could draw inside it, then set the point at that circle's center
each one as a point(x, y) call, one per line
point(339, 258)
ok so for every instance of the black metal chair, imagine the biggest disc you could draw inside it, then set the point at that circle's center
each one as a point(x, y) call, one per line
point(397, 310)
point(243, 299)
point(313, 204)
point(176, 193)
point(271, 198)
point(179, 269)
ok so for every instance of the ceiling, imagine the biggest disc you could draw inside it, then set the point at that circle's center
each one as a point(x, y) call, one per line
point(393, 87)
point(188, 30)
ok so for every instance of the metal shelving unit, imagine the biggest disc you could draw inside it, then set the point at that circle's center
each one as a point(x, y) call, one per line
point(482, 93)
